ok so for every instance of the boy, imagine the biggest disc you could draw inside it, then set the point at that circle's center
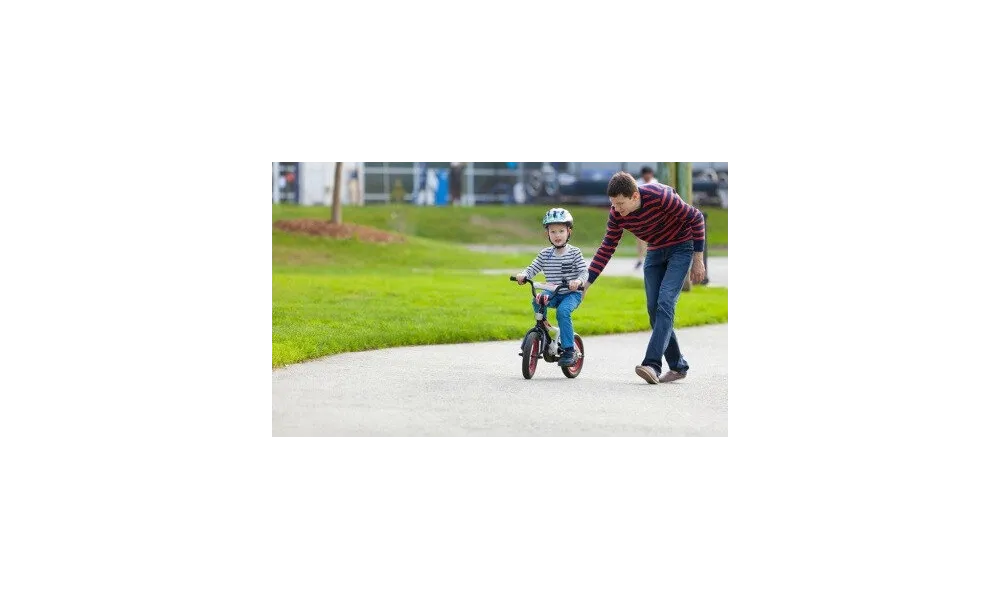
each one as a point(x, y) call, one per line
point(559, 261)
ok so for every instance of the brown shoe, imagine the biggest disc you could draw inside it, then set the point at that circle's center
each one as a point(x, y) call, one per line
point(672, 376)
point(648, 373)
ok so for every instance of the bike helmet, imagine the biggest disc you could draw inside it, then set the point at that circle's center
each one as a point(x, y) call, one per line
point(557, 215)
point(560, 216)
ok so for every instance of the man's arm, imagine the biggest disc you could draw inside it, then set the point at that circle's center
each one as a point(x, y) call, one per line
point(696, 223)
point(607, 249)
point(698, 266)
point(675, 208)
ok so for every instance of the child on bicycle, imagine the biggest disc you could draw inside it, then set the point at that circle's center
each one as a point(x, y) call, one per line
point(560, 261)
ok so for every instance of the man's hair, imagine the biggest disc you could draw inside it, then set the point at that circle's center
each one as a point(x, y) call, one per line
point(622, 184)
point(646, 170)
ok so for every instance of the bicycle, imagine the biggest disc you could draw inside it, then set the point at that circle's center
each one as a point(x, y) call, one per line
point(542, 340)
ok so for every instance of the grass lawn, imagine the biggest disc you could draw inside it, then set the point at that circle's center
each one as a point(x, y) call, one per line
point(331, 296)
point(314, 253)
point(318, 314)
point(510, 224)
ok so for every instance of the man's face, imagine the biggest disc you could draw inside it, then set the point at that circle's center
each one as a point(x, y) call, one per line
point(625, 204)
point(558, 233)
point(647, 177)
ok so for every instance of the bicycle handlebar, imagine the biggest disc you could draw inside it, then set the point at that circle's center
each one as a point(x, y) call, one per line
point(564, 284)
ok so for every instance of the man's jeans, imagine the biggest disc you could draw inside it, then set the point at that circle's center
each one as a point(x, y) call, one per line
point(664, 271)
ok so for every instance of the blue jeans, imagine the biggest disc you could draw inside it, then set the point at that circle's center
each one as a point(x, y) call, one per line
point(664, 271)
point(564, 305)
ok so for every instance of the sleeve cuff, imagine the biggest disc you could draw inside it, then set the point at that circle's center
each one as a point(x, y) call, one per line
point(699, 245)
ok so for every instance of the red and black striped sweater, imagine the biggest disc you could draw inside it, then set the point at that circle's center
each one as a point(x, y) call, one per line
point(662, 220)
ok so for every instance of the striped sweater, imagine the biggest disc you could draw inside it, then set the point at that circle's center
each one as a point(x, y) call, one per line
point(569, 266)
point(662, 220)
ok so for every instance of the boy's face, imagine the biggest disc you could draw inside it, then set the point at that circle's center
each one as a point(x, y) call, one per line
point(558, 234)
point(625, 204)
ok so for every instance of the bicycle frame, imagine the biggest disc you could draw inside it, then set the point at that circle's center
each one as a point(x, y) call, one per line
point(542, 324)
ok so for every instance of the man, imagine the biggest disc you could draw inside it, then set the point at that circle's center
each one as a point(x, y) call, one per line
point(647, 177)
point(675, 232)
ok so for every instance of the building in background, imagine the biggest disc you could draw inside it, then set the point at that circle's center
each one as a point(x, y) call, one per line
point(311, 183)
point(285, 182)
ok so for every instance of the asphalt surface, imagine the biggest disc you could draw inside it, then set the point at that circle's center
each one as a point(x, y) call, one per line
point(478, 390)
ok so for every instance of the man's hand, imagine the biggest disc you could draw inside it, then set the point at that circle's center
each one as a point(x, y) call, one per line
point(697, 268)
point(576, 283)
point(520, 278)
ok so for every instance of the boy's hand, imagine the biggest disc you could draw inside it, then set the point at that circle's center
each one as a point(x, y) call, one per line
point(576, 283)
point(520, 278)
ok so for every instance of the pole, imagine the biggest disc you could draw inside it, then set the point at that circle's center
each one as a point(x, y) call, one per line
point(335, 217)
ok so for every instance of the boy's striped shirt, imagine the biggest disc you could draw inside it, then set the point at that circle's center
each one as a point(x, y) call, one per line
point(569, 266)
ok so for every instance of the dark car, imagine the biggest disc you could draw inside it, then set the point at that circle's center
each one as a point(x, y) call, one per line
point(588, 186)
point(710, 187)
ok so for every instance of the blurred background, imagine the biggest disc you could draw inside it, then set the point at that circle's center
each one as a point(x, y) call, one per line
point(469, 184)
point(420, 253)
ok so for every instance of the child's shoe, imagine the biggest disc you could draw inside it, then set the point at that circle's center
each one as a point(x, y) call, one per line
point(568, 358)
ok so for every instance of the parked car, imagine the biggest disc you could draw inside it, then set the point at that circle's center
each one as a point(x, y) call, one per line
point(710, 187)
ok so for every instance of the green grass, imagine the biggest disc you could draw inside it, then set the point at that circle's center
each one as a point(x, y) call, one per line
point(314, 253)
point(332, 296)
point(514, 225)
point(315, 314)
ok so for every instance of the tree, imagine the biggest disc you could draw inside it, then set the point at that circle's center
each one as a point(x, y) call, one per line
point(335, 217)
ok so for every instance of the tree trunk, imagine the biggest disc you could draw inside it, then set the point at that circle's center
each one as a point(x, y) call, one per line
point(335, 218)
